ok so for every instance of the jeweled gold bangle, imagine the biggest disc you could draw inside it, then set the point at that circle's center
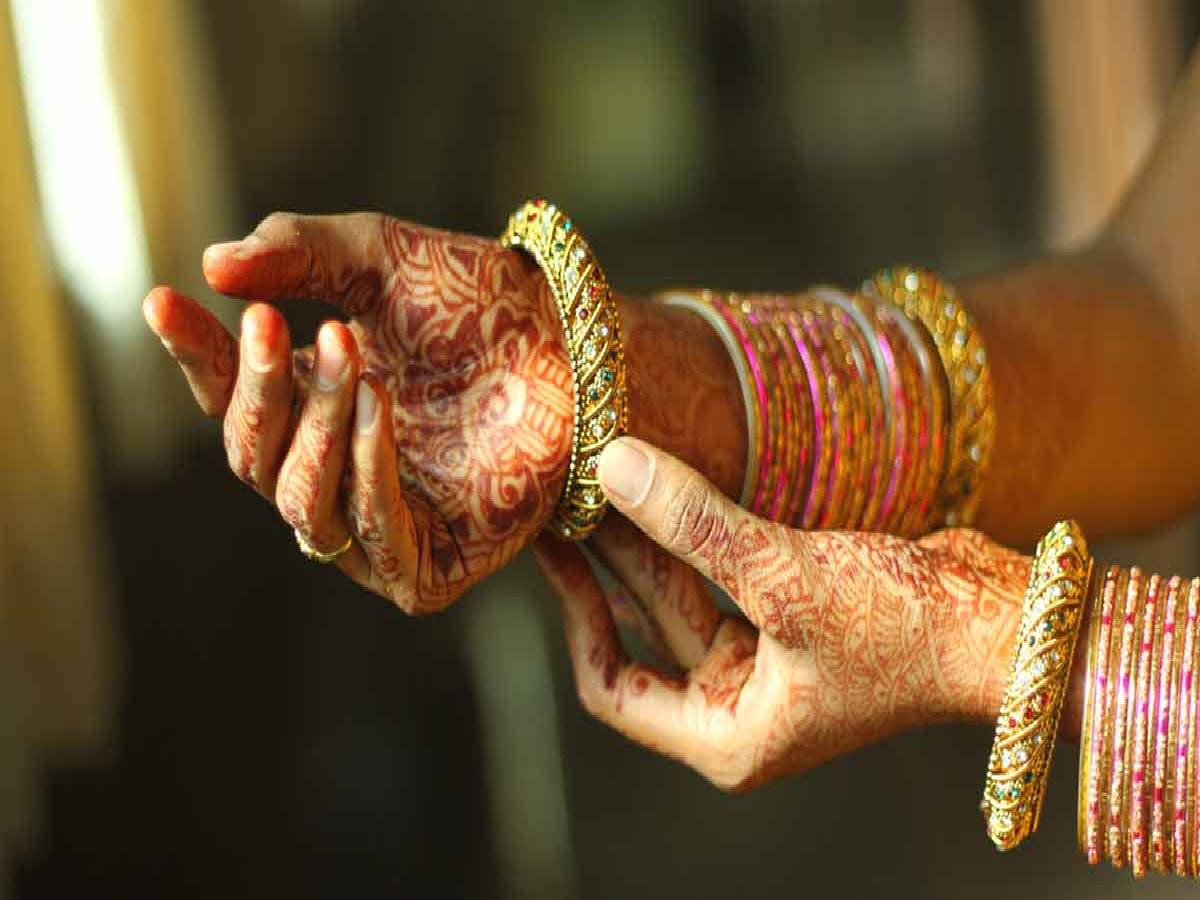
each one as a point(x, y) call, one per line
point(927, 299)
point(1019, 765)
point(593, 338)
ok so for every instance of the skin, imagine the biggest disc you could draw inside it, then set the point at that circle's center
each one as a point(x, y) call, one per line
point(462, 430)
point(463, 415)
point(847, 637)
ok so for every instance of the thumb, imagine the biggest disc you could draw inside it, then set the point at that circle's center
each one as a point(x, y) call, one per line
point(682, 511)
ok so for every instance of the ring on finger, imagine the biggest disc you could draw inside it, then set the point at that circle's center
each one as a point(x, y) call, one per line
point(321, 556)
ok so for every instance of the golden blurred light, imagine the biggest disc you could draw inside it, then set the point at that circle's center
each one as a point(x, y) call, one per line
point(85, 175)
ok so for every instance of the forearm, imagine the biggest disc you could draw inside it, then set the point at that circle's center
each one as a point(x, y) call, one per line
point(1092, 371)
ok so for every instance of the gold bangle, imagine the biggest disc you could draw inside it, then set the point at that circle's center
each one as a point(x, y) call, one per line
point(1118, 784)
point(593, 337)
point(925, 298)
point(1019, 765)
point(1093, 712)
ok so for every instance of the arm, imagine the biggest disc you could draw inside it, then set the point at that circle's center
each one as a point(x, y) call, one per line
point(1095, 358)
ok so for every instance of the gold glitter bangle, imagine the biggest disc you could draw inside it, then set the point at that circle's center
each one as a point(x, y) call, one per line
point(794, 378)
point(868, 386)
point(848, 366)
point(1138, 805)
point(1091, 732)
point(1117, 784)
point(925, 298)
point(1019, 765)
point(593, 337)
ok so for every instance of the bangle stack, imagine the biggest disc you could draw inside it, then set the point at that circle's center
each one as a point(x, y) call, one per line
point(868, 411)
point(1138, 747)
point(593, 338)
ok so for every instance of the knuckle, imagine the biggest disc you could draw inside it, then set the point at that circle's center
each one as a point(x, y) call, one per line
point(278, 224)
point(291, 509)
point(732, 775)
point(589, 697)
point(692, 521)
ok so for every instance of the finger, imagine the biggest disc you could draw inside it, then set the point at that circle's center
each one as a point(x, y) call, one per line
point(309, 483)
point(637, 701)
point(259, 417)
point(633, 617)
point(201, 345)
point(379, 515)
point(751, 559)
point(338, 259)
point(683, 615)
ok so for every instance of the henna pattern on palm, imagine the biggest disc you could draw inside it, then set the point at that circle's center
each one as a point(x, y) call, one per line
point(463, 341)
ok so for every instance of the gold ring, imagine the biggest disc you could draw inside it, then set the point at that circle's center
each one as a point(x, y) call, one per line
point(319, 555)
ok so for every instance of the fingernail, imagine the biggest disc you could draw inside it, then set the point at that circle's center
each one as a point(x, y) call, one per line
point(365, 406)
point(257, 346)
point(626, 472)
point(331, 360)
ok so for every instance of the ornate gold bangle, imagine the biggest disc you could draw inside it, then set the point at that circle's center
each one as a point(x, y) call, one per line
point(926, 299)
point(1019, 765)
point(593, 337)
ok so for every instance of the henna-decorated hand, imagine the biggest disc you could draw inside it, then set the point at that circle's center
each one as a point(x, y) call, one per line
point(463, 415)
point(851, 636)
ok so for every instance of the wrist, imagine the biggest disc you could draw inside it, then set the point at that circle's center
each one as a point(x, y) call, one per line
point(684, 393)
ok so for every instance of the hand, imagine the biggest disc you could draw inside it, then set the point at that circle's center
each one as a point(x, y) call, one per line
point(463, 413)
point(851, 636)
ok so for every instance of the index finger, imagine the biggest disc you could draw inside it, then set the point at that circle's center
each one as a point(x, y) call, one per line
point(338, 259)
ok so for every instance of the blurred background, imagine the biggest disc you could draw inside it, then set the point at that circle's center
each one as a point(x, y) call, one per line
point(190, 709)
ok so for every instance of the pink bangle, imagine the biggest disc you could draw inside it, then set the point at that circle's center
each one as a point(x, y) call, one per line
point(815, 372)
point(1138, 855)
point(1097, 739)
point(899, 434)
point(1187, 712)
point(1165, 704)
point(1116, 783)
point(929, 448)
point(871, 380)
point(733, 320)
